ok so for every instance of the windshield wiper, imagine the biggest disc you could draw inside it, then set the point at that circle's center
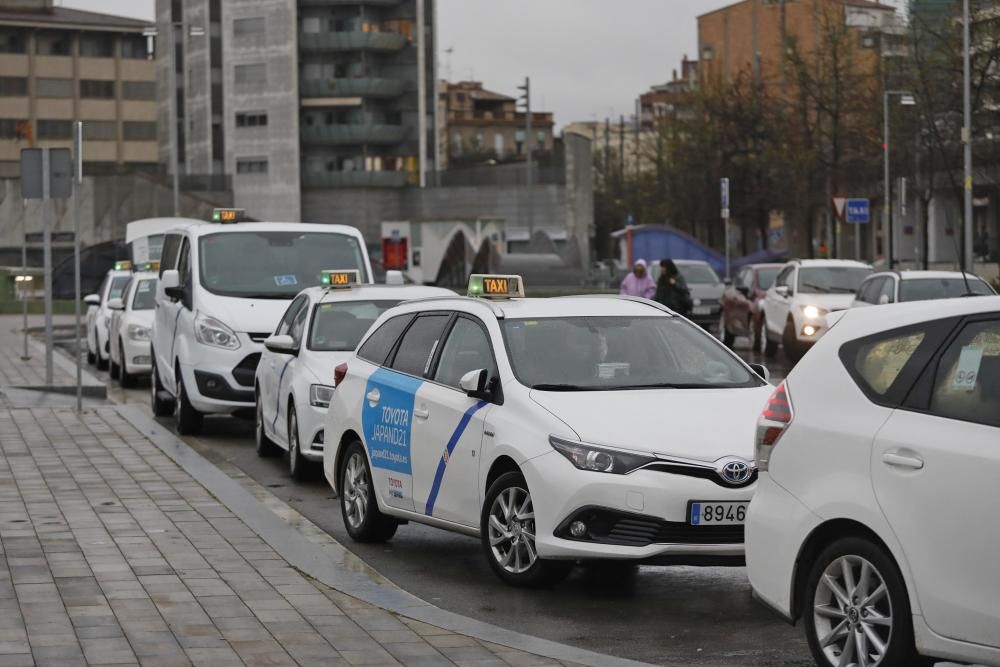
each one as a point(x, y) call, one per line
point(662, 385)
point(261, 295)
point(564, 387)
point(818, 288)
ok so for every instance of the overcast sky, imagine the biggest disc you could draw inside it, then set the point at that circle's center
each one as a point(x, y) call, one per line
point(588, 59)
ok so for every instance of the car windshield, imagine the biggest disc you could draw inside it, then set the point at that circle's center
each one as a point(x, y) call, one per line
point(118, 284)
point(766, 276)
point(604, 353)
point(339, 326)
point(273, 265)
point(925, 289)
point(698, 273)
point(832, 279)
point(145, 295)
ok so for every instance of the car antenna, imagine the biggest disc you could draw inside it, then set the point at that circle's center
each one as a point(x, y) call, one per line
point(965, 276)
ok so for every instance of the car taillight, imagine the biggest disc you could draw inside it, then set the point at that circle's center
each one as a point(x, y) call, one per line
point(339, 373)
point(773, 422)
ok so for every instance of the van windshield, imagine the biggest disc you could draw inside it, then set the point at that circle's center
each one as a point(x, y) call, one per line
point(273, 265)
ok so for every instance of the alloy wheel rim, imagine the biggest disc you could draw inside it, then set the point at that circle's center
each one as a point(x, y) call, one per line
point(355, 494)
point(852, 613)
point(511, 530)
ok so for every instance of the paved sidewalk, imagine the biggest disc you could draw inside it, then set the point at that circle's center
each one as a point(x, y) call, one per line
point(19, 372)
point(112, 554)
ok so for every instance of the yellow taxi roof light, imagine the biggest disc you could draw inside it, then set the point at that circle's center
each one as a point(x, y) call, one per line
point(491, 286)
point(151, 266)
point(123, 265)
point(227, 215)
point(340, 278)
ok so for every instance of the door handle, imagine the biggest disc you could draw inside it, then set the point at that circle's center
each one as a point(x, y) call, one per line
point(373, 396)
point(421, 413)
point(898, 460)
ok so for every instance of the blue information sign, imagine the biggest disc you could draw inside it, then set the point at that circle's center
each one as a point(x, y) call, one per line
point(858, 211)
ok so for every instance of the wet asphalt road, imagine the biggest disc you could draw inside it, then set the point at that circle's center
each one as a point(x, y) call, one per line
point(678, 615)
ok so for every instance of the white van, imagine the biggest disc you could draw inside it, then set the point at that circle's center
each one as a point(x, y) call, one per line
point(223, 288)
point(145, 237)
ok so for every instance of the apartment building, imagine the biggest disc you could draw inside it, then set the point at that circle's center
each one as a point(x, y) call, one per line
point(480, 126)
point(58, 65)
point(670, 101)
point(298, 100)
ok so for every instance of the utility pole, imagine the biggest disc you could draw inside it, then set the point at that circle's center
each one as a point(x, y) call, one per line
point(528, 147)
point(638, 156)
point(968, 260)
point(77, 182)
point(422, 90)
point(174, 120)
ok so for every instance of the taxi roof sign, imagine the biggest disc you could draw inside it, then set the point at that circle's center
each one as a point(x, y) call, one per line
point(340, 279)
point(495, 286)
point(151, 266)
point(123, 265)
point(227, 215)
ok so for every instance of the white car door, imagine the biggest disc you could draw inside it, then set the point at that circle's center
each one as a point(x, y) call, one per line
point(778, 302)
point(165, 318)
point(285, 368)
point(448, 431)
point(935, 468)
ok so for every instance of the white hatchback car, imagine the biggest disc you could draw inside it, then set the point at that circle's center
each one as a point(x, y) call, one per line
point(887, 287)
point(99, 315)
point(876, 511)
point(796, 305)
point(554, 429)
point(131, 324)
point(320, 330)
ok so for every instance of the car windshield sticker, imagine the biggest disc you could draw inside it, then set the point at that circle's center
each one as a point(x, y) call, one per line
point(463, 423)
point(968, 368)
point(286, 281)
point(145, 285)
point(388, 420)
point(611, 370)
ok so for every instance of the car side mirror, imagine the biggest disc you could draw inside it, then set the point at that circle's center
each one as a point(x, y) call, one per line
point(783, 290)
point(475, 384)
point(884, 299)
point(761, 370)
point(116, 304)
point(170, 278)
point(283, 344)
point(92, 299)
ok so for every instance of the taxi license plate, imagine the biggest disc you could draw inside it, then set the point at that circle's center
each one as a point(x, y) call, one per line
point(703, 310)
point(707, 513)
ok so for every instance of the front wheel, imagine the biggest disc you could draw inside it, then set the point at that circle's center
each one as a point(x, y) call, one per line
point(362, 517)
point(507, 529)
point(114, 370)
point(858, 612)
point(124, 377)
point(189, 420)
point(299, 467)
point(265, 446)
point(161, 407)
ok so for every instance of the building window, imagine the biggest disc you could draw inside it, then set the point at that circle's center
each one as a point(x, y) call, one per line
point(251, 165)
point(55, 129)
point(54, 87)
point(251, 119)
point(250, 75)
point(96, 88)
point(707, 53)
point(53, 43)
point(250, 27)
point(134, 46)
point(8, 128)
point(12, 41)
point(97, 45)
point(100, 130)
point(139, 131)
point(312, 25)
point(13, 86)
point(139, 90)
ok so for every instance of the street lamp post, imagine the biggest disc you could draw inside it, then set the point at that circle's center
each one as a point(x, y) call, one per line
point(906, 99)
point(967, 259)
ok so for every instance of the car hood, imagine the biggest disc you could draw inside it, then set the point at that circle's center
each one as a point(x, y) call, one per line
point(830, 302)
point(706, 290)
point(672, 422)
point(245, 315)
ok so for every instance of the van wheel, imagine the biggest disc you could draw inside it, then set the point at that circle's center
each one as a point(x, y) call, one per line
point(299, 467)
point(161, 407)
point(265, 446)
point(189, 420)
point(125, 378)
point(507, 530)
point(362, 517)
point(856, 610)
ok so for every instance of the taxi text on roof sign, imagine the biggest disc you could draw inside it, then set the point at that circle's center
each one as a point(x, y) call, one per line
point(340, 278)
point(151, 266)
point(495, 287)
point(227, 215)
point(123, 265)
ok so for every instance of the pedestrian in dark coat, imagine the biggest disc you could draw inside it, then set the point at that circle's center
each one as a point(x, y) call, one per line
point(671, 290)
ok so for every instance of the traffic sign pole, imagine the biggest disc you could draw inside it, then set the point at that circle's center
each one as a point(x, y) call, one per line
point(77, 180)
point(47, 263)
point(24, 275)
point(724, 186)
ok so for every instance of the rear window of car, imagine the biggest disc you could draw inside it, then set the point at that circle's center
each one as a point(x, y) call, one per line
point(698, 273)
point(925, 289)
point(880, 362)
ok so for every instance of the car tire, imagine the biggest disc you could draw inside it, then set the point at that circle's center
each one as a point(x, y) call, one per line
point(266, 447)
point(789, 343)
point(770, 347)
point(125, 378)
point(507, 532)
point(358, 505)
point(91, 357)
point(299, 467)
point(836, 615)
point(102, 363)
point(189, 420)
point(160, 406)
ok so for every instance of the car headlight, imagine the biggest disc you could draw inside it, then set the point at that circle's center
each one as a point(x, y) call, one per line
point(137, 332)
point(599, 459)
point(320, 395)
point(813, 312)
point(210, 331)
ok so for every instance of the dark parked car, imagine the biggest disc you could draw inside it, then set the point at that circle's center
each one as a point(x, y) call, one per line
point(741, 303)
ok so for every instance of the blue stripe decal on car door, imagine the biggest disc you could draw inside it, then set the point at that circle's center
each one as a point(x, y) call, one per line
point(452, 443)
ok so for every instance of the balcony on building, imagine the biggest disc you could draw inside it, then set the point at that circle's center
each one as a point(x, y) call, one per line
point(367, 87)
point(355, 179)
point(354, 40)
point(345, 135)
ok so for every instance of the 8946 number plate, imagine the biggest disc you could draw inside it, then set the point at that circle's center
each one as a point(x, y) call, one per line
point(725, 513)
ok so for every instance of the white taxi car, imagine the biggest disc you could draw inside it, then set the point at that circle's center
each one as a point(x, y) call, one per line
point(99, 315)
point(554, 429)
point(131, 324)
point(294, 382)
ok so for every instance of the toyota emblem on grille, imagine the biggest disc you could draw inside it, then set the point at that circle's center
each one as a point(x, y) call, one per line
point(734, 471)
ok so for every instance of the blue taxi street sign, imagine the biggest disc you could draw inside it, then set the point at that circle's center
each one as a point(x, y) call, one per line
point(858, 211)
